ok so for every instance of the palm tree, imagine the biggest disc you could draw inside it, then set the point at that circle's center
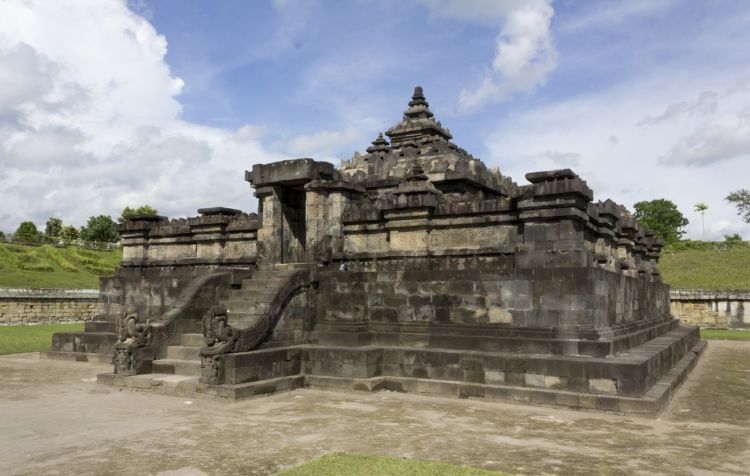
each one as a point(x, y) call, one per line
point(701, 208)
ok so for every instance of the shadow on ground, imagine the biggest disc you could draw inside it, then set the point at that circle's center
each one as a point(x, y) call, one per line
point(55, 418)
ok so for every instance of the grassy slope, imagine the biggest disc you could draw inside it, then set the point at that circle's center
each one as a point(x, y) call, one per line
point(345, 464)
point(49, 267)
point(17, 339)
point(690, 269)
point(725, 334)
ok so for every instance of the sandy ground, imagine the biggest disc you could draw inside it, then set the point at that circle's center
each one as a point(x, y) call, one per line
point(55, 419)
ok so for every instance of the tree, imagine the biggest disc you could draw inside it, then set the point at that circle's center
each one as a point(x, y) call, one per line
point(2, 236)
point(69, 233)
point(701, 208)
point(741, 200)
point(100, 229)
point(128, 212)
point(27, 232)
point(733, 241)
point(663, 218)
point(53, 227)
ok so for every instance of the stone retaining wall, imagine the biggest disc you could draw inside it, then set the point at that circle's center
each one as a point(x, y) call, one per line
point(706, 308)
point(711, 308)
point(47, 306)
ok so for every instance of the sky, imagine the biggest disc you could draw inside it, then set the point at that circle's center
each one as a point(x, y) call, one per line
point(112, 103)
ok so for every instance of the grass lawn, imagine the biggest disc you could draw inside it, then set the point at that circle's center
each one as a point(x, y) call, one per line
point(38, 338)
point(725, 334)
point(345, 464)
point(693, 269)
point(24, 266)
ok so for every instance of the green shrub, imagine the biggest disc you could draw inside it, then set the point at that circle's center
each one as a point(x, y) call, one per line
point(60, 260)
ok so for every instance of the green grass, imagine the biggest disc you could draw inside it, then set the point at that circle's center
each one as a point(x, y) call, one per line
point(695, 269)
point(345, 464)
point(24, 266)
point(725, 334)
point(37, 338)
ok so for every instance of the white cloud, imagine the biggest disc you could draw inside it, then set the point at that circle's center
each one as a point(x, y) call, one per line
point(525, 53)
point(607, 14)
point(90, 120)
point(552, 159)
point(705, 104)
point(524, 57)
point(632, 171)
point(719, 139)
point(491, 12)
point(325, 144)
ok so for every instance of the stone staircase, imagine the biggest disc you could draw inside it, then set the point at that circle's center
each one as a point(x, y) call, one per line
point(247, 304)
point(183, 359)
point(94, 344)
point(254, 298)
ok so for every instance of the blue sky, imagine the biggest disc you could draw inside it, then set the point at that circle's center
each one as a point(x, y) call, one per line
point(106, 104)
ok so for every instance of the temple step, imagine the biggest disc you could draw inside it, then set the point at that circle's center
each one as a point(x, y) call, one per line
point(87, 342)
point(178, 367)
point(78, 357)
point(181, 352)
point(246, 307)
point(193, 340)
point(260, 284)
point(248, 292)
point(271, 274)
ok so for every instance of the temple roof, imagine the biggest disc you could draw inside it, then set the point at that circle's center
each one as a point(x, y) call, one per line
point(420, 139)
point(418, 124)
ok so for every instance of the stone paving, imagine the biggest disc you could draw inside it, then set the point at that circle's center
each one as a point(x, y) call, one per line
point(57, 420)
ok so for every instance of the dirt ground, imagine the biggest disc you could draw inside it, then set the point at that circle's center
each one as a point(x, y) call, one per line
point(55, 419)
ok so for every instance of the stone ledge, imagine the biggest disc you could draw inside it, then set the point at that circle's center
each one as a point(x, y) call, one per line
point(188, 386)
point(78, 357)
point(651, 404)
point(30, 293)
point(710, 294)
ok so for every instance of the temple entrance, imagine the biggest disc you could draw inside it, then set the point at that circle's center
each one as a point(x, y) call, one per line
point(293, 224)
point(280, 187)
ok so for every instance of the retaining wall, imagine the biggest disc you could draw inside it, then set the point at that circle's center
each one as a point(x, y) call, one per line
point(706, 308)
point(47, 306)
point(711, 308)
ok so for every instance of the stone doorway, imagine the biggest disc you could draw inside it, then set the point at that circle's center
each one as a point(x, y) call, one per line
point(293, 224)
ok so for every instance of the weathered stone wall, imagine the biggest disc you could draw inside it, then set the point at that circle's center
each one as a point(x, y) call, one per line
point(47, 306)
point(219, 236)
point(291, 328)
point(152, 291)
point(707, 308)
point(571, 302)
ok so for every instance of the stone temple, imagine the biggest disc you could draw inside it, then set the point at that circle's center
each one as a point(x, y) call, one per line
point(411, 268)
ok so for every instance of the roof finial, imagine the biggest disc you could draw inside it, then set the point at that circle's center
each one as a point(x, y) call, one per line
point(418, 97)
point(378, 145)
point(418, 106)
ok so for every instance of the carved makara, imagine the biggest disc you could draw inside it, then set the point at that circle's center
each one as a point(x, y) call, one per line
point(220, 337)
point(133, 346)
point(133, 360)
point(246, 335)
point(132, 332)
point(123, 360)
point(211, 369)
